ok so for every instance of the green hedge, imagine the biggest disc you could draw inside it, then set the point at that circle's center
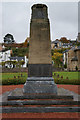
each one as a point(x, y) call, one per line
point(67, 81)
point(13, 81)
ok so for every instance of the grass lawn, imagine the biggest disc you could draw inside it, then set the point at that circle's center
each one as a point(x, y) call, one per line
point(70, 75)
point(13, 75)
point(67, 78)
point(59, 78)
point(13, 78)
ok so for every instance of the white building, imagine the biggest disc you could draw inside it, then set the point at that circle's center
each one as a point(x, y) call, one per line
point(5, 55)
point(18, 59)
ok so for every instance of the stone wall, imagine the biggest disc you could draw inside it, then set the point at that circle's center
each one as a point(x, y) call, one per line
point(14, 70)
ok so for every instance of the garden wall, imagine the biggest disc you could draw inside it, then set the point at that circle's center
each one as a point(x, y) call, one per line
point(13, 70)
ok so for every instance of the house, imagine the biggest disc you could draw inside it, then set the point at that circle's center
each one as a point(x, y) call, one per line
point(18, 59)
point(72, 58)
point(66, 45)
point(7, 60)
point(62, 43)
point(5, 56)
point(56, 44)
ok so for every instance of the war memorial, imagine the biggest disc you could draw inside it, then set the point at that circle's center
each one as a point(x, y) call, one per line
point(40, 88)
point(40, 63)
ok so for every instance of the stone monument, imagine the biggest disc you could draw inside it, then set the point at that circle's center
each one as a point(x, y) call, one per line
point(39, 89)
point(40, 63)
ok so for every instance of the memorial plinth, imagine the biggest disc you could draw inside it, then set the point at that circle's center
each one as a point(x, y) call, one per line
point(40, 63)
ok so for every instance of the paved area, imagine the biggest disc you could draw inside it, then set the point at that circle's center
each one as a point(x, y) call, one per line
point(68, 89)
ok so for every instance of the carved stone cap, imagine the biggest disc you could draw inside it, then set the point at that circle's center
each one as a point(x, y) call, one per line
point(39, 11)
point(39, 6)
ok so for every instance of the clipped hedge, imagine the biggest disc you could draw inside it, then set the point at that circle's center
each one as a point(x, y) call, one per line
point(67, 81)
point(13, 81)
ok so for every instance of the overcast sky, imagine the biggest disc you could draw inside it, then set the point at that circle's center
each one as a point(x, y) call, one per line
point(63, 18)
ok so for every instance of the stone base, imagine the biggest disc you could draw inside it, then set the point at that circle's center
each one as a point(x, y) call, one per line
point(40, 85)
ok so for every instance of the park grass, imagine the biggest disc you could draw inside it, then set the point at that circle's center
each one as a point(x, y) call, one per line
point(70, 75)
point(72, 78)
point(59, 78)
point(13, 78)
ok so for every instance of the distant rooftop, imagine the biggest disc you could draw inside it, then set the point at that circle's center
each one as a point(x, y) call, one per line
point(17, 58)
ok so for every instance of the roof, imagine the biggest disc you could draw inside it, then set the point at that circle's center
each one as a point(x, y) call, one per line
point(5, 50)
point(65, 51)
point(66, 44)
point(56, 41)
point(73, 48)
point(17, 58)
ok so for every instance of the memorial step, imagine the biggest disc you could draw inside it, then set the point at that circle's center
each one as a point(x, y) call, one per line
point(39, 102)
point(38, 109)
point(64, 97)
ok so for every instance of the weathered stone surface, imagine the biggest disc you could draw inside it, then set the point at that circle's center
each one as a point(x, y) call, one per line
point(40, 102)
point(38, 109)
point(61, 94)
point(39, 96)
point(37, 11)
point(40, 44)
point(35, 85)
point(40, 79)
point(40, 87)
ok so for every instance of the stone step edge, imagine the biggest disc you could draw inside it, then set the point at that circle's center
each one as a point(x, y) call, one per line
point(40, 102)
point(40, 97)
point(40, 79)
point(38, 109)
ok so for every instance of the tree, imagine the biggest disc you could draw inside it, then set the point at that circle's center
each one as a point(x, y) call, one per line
point(64, 40)
point(9, 39)
point(20, 51)
point(57, 58)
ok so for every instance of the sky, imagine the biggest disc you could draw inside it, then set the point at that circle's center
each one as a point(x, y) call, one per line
point(63, 17)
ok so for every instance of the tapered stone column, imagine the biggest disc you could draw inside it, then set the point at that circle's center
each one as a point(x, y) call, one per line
point(40, 63)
